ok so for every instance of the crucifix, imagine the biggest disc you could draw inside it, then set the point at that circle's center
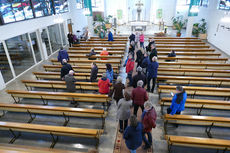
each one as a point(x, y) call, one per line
point(139, 4)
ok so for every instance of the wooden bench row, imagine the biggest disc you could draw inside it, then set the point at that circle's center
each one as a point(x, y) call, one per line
point(103, 42)
point(99, 57)
point(101, 45)
point(98, 48)
point(73, 52)
point(186, 49)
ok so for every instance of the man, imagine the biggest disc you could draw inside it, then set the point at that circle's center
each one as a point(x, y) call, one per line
point(139, 76)
point(62, 54)
point(139, 58)
point(145, 63)
point(65, 69)
point(139, 97)
point(104, 52)
point(153, 52)
point(148, 119)
point(148, 48)
point(94, 71)
point(152, 73)
point(132, 37)
point(104, 84)
point(70, 38)
point(70, 81)
point(110, 36)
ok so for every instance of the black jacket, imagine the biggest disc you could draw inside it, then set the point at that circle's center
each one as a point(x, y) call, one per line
point(139, 57)
point(131, 37)
point(65, 69)
point(153, 53)
point(137, 77)
point(93, 76)
point(148, 48)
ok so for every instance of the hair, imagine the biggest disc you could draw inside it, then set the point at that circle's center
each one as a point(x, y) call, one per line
point(104, 75)
point(94, 63)
point(61, 48)
point(154, 59)
point(108, 66)
point(179, 88)
point(119, 79)
point(148, 104)
point(64, 61)
point(127, 96)
point(133, 120)
point(92, 49)
point(93, 151)
point(139, 69)
point(140, 83)
point(173, 51)
point(71, 72)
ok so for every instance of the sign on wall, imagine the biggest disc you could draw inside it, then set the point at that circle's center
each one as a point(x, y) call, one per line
point(159, 13)
point(119, 14)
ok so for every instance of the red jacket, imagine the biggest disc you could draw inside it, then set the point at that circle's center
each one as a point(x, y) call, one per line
point(103, 85)
point(139, 96)
point(149, 119)
point(129, 65)
point(104, 53)
point(142, 38)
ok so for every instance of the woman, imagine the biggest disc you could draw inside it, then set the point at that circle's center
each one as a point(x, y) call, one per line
point(139, 58)
point(148, 119)
point(142, 40)
point(103, 84)
point(152, 73)
point(118, 90)
point(129, 68)
point(178, 101)
point(124, 111)
point(110, 36)
point(94, 71)
point(133, 134)
point(109, 72)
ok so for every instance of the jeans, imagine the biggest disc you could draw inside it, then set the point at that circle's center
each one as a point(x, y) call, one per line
point(141, 44)
point(153, 83)
point(148, 142)
point(132, 151)
point(136, 108)
point(123, 124)
point(130, 79)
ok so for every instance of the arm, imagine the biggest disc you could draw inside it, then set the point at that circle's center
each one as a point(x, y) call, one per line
point(146, 96)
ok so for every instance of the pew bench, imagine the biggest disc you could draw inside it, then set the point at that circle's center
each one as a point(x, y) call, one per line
point(85, 52)
point(208, 121)
point(100, 45)
point(115, 39)
point(181, 46)
point(176, 38)
point(219, 144)
point(66, 112)
point(194, 59)
point(103, 42)
point(198, 104)
point(194, 72)
point(179, 43)
point(197, 91)
point(190, 54)
point(186, 49)
point(53, 131)
point(99, 57)
point(97, 48)
point(61, 96)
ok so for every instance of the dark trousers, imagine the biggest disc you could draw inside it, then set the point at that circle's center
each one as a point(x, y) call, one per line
point(123, 124)
point(169, 110)
point(130, 79)
point(148, 142)
point(142, 44)
point(136, 108)
point(70, 44)
point(153, 83)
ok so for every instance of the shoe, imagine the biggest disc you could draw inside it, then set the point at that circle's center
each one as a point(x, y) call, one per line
point(121, 131)
point(145, 147)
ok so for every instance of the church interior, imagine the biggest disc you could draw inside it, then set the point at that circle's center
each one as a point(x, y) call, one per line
point(76, 76)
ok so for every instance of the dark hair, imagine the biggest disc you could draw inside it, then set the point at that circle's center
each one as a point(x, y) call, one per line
point(61, 48)
point(94, 64)
point(173, 51)
point(133, 121)
point(108, 67)
point(127, 96)
point(179, 88)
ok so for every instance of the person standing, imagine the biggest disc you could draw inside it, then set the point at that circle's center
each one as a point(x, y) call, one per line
point(124, 111)
point(178, 101)
point(104, 52)
point(145, 63)
point(70, 81)
point(129, 68)
point(139, 97)
point(148, 119)
point(137, 39)
point(142, 40)
point(153, 52)
point(109, 72)
point(94, 71)
point(62, 54)
point(139, 76)
point(118, 90)
point(152, 73)
point(132, 38)
point(103, 84)
point(70, 39)
point(139, 57)
point(133, 134)
point(148, 48)
point(110, 36)
point(65, 69)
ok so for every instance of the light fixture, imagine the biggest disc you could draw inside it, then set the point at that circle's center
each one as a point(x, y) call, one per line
point(194, 9)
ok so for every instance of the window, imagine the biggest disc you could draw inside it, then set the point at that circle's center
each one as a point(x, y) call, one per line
point(55, 38)
point(224, 5)
point(42, 7)
point(80, 4)
point(35, 45)
point(7, 11)
point(61, 6)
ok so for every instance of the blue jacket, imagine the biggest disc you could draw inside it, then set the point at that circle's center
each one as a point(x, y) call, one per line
point(62, 54)
point(145, 62)
point(133, 136)
point(152, 69)
point(109, 75)
point(178, 107)
point(110, 36)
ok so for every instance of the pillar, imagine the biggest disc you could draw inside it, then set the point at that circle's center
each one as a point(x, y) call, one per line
point(2, 82)
point(189, 26)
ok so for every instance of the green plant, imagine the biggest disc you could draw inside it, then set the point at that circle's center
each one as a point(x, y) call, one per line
point(195, 29)
point(107, 19)
point(178, 23)
point(199, 28)
point(99, 24)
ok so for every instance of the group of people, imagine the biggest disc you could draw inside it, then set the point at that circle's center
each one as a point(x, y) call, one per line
point(75, 39)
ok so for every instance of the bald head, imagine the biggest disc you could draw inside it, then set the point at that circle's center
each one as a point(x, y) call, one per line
point(71, 72)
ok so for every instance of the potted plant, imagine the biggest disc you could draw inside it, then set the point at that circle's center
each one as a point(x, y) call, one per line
point(101, 25)
point(195, 29)
point(203, 29)
point(108, 25)
point(179, 23)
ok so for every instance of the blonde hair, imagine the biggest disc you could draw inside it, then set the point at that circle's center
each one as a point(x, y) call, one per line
point(148, 104)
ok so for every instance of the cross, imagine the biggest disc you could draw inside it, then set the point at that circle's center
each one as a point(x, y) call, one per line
point(139, 4)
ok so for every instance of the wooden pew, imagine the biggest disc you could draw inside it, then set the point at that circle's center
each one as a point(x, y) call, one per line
point(53, 131)
point(190, 54)
point(29, 84)
point(66, 112)
point(78, 69)
point(185, 65)
point(197, 91)
point(62, 96)
point(100, 45)
point(194, 72)
point(181, 46)
point(186, 49)
point(177, 38)
point(208, 121)
point(116, 39)
point(56, 75)
point(97, 48)
point(187, 80)
point(102, 42)
point(11, 148)
point(106, 38)
point(74, 52)
point(99, 57)
point(209, 143)
point(179, 43)
point(88, 62)
point(194, 59)
point(198, 104)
